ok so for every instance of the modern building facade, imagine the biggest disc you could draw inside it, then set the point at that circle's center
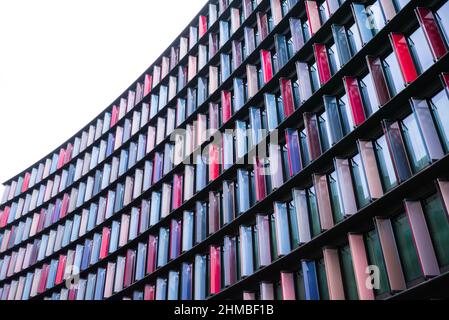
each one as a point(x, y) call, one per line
point(276, 150)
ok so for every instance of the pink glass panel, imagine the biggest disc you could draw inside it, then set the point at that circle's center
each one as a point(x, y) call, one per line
point(288, 286)
point(333, 274)
point(360, 264)
point(342, 167)
point(313, 15)
point(215, 270)
point(379, 80)
point(324, 204)
point(368, 156)
point(421, 237)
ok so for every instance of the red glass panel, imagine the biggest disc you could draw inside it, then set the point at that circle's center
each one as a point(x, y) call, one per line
point(287, 96)
point(267, 65)
point(177, 190)
point(430, 27)
point(114, 116)
point(147, 84)
point(202, 26)
point(152, 254)
point(61, 269)
point(43, 279)
point(402, 51)
point(214, 161)
point(322, 60)
point(26, 179)
point(4, 217)
point(259, 178)
point(149, 293)
point(72, 294)
point(226, 106)
point(215, 270)
point(355, 99)
point(104, 249)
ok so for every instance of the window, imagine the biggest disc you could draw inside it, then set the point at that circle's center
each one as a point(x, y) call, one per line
point(420, 50)
point(354, 39)
point(348, 275)
point(407, 251)
point(345, 113)
point(315, 226)
point(369, 20)
point(306, 30)
point(376, 16)
point(314, 76)
point(334, 59)
point(335, 196)
point(322, 280)
point(442, 15)
point(375, 258)
point(385, 164)
point(323, 126)
point(414, 143)
point(293, 221)
point(369, 95)
point(393, 74)
point(400, 4)
point(300, 286)
point(304, 148)
point(438, 227)
point(360, 184)
point(324, 16)
point(440, 109)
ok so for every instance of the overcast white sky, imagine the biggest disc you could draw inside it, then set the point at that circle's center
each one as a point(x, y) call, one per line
point(64, 61)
